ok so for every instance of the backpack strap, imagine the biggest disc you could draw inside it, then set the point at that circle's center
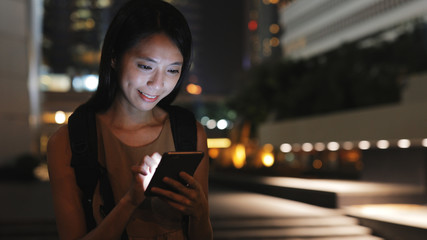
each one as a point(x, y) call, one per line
point(184, 130)
point(84, 160)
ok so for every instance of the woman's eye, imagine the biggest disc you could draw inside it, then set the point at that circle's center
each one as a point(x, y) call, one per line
point(144, 67)
point(174, 71)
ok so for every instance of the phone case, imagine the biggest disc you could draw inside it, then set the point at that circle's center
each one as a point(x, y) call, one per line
point(171, 165)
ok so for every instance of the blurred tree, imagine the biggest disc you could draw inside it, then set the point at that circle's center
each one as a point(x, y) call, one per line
point(345, 78)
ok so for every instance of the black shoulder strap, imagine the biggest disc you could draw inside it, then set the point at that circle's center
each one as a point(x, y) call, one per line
point(184, 130)
point(84, 160)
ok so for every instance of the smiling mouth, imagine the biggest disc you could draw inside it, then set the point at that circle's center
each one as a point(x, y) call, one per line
point(147, 97)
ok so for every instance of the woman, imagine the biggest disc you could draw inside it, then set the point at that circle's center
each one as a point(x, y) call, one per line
point(145, 54)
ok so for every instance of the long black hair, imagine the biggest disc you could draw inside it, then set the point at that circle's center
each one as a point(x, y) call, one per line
point(136, 20)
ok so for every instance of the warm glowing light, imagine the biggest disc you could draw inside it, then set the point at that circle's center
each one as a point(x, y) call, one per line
point(268, 147)
point(383, 144)
point(307, 147)
point(222, 124)
point(194, 89)
point(239, 157)
point(274, 1)
point(285, 147)
point(274, 28)
point(351, 155)
point(404, 143)
point(41, 172)
point(347, 145)
point(219, 143)
point(51, 117)
point(43, 143)
point(333, 146)
point(424, 142)
point(364, 145)
point(319, 146)
point(274, 42)
point(317, 164)
point(60, 117)
point(213, 153)
point(252, 25)
point(267, 159)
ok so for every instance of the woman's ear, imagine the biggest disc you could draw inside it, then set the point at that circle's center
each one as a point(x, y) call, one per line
point(113, 63)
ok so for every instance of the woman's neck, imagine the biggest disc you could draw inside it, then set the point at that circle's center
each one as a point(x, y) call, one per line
point(128, 118)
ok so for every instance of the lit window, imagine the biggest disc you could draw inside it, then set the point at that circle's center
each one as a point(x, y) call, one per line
point(285, 147)
point(333, 146)
point(364, 145)
point(55, 83)
point(222, 124)
point(404, 143)
point(307, 147)
point(319, 146)
point(383, 144)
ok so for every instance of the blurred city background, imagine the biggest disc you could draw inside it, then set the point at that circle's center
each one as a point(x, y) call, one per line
point(317, 102)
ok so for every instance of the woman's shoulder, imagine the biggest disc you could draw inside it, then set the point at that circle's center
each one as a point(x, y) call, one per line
point(60, 135)
point(59, 144)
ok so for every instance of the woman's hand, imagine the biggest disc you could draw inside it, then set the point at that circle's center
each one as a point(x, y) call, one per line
point(142, 174)
point(190, 199)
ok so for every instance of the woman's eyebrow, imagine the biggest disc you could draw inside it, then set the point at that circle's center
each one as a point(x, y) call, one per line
point(147, 59)
point(155, 61)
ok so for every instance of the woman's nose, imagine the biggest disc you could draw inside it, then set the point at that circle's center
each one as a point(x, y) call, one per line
point(155, 81)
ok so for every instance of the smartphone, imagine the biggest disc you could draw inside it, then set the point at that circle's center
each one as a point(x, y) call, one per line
point(171, 165)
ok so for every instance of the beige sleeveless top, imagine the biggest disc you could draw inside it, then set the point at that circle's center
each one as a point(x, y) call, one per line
point(154, 219)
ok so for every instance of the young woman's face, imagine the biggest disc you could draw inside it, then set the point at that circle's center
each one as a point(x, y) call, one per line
point(149, 72)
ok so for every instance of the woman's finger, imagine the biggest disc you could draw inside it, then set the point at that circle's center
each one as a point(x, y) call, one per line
point(139, 169)
point(191, 181)
point(152, 161)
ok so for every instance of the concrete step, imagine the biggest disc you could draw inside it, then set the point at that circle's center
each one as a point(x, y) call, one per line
point(324, 192)
point(283, 222)
point(338, 232)
point(339, 238)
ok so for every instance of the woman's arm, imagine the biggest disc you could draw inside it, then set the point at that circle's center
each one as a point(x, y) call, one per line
point(70, 217)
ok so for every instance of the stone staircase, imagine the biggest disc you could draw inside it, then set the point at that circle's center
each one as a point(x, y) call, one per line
point(293, 228)
point(251, 216)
